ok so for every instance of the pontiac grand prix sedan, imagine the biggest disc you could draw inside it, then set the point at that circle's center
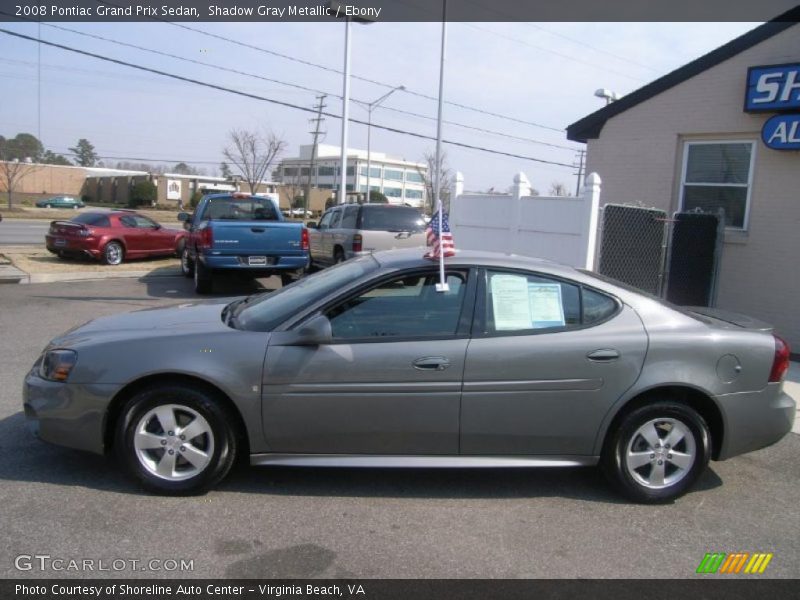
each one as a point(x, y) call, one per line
point(520, 363)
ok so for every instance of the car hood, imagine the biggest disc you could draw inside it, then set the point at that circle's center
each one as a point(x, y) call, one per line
point(194, 317)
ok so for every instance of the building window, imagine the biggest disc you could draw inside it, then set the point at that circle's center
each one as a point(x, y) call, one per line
point(718, 175)
point(393, 174)
point(392, 192)
point(413, 176)
point(374, 172)
point(325, 171)
point(414, 194)
point(305, 171)
point(290, 171)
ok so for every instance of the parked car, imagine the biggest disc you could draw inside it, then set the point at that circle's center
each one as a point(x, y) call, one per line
point(60, 202)
point(352, 230)
point(113, 236)
point(242, 233)
point(520, 363)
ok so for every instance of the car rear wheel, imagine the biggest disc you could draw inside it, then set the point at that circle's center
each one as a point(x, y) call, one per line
point(203, 283)
point(187, 264)
point(657, 452)
point(176, 439)
point(338, 256)
point(113, 253)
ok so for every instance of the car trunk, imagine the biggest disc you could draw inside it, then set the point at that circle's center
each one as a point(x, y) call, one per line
point(256, 237)
point(730, 318)
point(392, 240)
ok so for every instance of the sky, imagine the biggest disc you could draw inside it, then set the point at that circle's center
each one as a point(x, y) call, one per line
point(540, 77)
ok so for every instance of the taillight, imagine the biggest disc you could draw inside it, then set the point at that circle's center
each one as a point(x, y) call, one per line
point(780, 363)
point(304, 239)
point(206, 238)
point(357, 242)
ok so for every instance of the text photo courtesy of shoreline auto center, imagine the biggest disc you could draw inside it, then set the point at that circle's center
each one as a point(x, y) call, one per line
point(394, 299)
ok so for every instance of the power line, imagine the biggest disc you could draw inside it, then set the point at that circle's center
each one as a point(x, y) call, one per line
point(337, 71)
point(278, 102)
point(304, 88)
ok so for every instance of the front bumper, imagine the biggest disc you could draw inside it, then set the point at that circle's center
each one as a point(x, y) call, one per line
point(67, 414)
point(753, 420)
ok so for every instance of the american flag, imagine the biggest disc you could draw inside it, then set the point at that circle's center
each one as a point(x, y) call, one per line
point(440, 243)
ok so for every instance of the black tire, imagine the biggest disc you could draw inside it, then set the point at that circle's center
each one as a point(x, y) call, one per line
point(187, 264)
point(643, 484)
point(338, 256)
point(179, 247)
point(203, 282)
point(185, 402)
point(113, 253)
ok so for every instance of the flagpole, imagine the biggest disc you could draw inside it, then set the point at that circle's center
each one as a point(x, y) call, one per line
point(442, 285)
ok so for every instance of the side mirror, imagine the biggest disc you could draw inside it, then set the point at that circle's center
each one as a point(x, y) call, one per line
point(311, 225)
point(314, 332)
point(184, 217)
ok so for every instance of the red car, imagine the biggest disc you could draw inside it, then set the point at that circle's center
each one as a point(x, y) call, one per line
point(111, 236)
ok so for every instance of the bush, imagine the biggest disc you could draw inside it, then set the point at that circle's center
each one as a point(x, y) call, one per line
point(375, 197)
point(143, 193)
point(195, 199)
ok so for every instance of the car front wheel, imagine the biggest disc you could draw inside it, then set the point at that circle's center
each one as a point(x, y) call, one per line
point(657, 452)
point(187, 264)
point(176, 439)
point(113, 253)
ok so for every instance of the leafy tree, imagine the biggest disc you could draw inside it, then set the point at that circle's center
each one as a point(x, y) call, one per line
point(143, 193)
point(298, 201)
point(22, 147)
point(85, 156)
point(195, 199)
point(225, 170)
point(51, 158)
point(376, 197)
point(183, 169)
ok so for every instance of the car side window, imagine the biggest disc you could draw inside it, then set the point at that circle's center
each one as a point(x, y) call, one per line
point(325, 221)
point(403, 307)
point(144, 222)
point(336, 218)
point(597, 307)
point(349, 218)
point(518, 302)
point(128, 221)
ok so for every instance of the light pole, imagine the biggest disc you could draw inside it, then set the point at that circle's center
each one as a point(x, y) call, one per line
point(608, 95)
point(370, 107)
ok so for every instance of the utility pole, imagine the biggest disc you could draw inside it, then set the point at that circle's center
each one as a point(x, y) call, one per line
point(581, 155)
point(317, 122)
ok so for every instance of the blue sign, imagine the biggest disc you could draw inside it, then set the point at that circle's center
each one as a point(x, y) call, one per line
point(773, 88)
point(782, 132)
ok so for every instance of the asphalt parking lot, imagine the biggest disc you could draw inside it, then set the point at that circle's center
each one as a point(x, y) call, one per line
point(272, 522)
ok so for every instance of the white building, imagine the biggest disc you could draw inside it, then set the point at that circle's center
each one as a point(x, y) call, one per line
point(401, 181)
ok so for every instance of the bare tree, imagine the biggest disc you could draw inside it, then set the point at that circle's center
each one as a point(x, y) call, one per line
point(558, 189)
point(253, 154)
point(12, 172)
point(445, 182)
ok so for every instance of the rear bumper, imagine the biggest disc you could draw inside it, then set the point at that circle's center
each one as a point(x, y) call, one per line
point(240, 263)
point(67, 414)
point(753, 420)
point(84, 246)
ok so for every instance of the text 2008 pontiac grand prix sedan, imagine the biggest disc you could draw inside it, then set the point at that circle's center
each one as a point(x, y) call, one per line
point(520, 363)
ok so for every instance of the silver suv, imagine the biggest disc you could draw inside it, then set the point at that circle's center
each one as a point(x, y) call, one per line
point(351, 230)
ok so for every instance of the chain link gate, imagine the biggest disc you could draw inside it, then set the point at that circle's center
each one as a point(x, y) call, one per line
point(674, 258)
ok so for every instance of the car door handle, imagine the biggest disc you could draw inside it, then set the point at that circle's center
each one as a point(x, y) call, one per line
point(603, 355)
point(431, 363)
point(257, 229)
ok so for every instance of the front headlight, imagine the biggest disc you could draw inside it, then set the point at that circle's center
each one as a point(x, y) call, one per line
point(56, 364)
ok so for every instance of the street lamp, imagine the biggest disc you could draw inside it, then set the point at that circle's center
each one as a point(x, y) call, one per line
point(608, 95)
point(370, 107)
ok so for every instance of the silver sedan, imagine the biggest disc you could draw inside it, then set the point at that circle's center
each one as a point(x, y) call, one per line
point(518, 363)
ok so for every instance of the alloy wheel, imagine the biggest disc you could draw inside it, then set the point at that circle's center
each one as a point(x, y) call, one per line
point(660, 453)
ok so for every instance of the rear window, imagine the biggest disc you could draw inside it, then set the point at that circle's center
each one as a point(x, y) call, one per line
point(390, 218)
point(93, 219)
point(241, 209)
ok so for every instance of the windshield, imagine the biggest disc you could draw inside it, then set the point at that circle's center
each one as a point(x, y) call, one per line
point(391, 218)
point(267, 311)
point(241, 209)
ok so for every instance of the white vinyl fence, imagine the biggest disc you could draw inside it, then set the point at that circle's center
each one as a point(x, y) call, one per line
point(562, 229)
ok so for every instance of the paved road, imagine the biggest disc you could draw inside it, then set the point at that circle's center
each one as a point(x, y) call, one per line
point(274, 522)
point(23, 231)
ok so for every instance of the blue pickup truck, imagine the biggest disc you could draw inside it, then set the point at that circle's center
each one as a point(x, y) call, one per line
point(241, 233)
